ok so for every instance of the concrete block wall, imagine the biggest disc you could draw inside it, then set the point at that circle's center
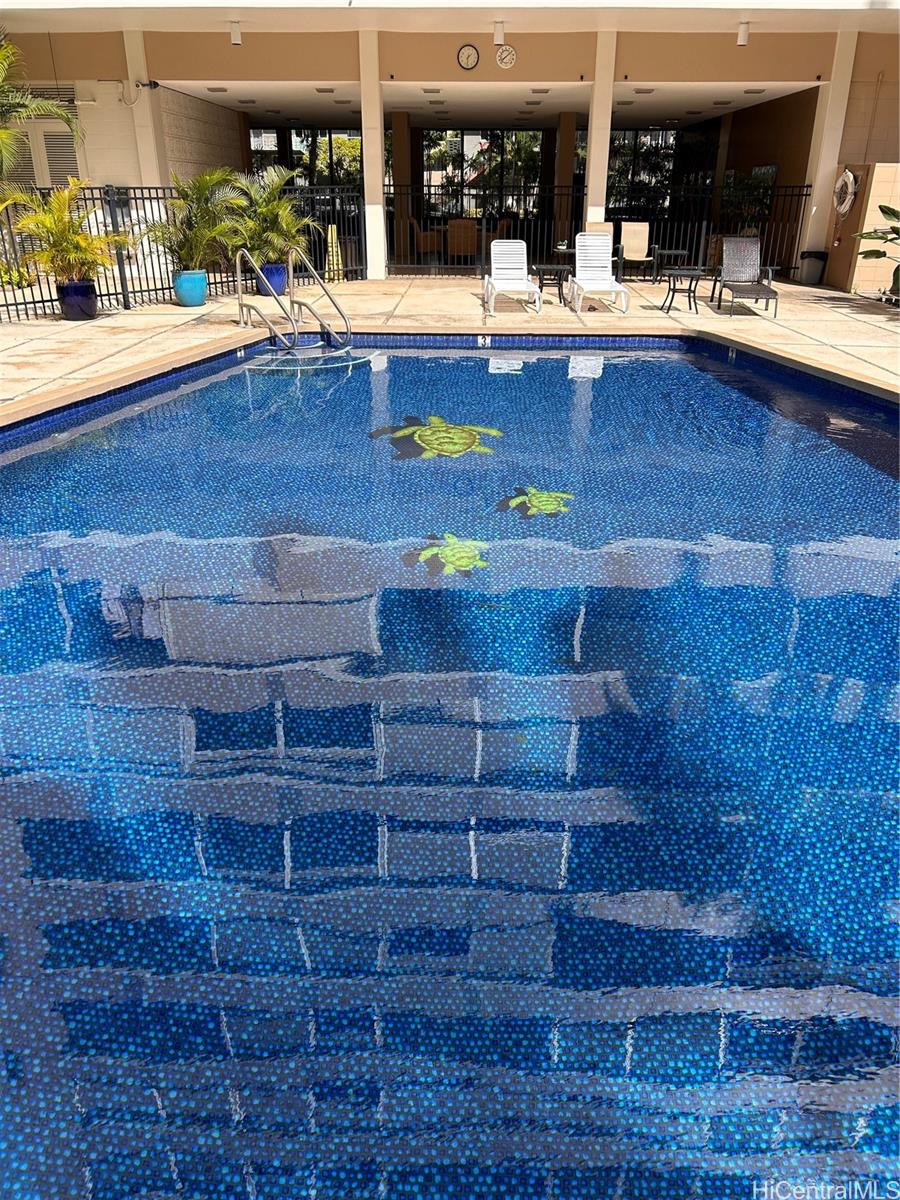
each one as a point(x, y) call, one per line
point(199, 135)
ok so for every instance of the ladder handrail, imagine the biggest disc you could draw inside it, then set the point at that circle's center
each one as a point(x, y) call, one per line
point(340, 339)
point(243, 256)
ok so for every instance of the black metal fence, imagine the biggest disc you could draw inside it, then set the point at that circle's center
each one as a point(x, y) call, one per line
point(142, 271)
point(447, 229)
point(688, 223)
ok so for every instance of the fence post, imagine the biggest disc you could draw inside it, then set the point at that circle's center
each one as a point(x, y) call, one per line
point(110, 195)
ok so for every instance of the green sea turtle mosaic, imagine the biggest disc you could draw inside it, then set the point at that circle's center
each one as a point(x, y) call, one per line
point(531, 501)
point(437, 438)
point(450, 555)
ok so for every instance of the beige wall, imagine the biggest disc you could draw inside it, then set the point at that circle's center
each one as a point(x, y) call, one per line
point(714, 57)
point(315, 56)
point(68, 56)
point(879, 184)
point(872, 125)
point(198, 135)
point(547, 58)
point(778, 131)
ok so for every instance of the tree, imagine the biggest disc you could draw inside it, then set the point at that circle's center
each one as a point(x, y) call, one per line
point(17, 104)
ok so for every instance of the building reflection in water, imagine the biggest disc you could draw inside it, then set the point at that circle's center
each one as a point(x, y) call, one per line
point(394, 889)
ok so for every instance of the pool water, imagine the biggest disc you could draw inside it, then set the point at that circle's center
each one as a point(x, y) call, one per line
point(468, 775)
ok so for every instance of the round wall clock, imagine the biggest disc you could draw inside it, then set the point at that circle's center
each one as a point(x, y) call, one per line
point(467, 57)
point(506, 57)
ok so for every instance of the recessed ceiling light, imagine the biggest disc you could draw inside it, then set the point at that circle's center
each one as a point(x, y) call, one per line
point(625, 102)
point(644, 91)
point(694, 112)
point(721, 103)
point(276, 112)
point(437, 103)
point(325, 91)
point(540, 91)
point(533, 103)
point(432, 91)
point(246, 101)
point(754, 91)
point(217, 89)
point(343, 101)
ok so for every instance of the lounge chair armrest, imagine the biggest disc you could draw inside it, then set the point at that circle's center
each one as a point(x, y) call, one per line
point(619, 256)
point(767, 275)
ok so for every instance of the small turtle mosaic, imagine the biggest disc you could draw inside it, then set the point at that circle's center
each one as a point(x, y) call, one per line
point(436, 438)
point(448, 556)
point(531, 502)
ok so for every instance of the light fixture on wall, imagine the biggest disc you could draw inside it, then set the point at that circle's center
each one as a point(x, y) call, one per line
point(237, 38)
point(743, 33)
point(499, 34)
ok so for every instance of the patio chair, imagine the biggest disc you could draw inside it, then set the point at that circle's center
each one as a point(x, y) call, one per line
point(635, 248)
point(742, 275)
point(594, 271)
point(462, 238)
point(509, 273)
point(427, 242)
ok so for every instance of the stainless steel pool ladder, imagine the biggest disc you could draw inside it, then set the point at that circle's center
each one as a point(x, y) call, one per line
point(338, 339)
point(246, 309)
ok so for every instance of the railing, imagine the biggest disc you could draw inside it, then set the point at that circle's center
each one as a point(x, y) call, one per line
point(690, 222)
point(141, 273)
point(245, 262)
point(448, 229)
point(298, 304)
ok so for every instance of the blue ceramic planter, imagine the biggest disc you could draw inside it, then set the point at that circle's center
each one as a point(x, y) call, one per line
point(276, 277)
point(191, 288)
point(77, 301)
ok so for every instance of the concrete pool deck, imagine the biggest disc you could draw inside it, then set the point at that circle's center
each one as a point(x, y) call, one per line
point(48, 363)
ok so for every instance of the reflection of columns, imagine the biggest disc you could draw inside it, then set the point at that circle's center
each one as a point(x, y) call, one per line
point(582, 396)
point(401, 154)
point(564, 170)
point(372, 153)
point(825, 144)
point(599, 127)
point(148, 135)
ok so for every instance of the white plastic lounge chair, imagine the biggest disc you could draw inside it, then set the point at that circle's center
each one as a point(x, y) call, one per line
point(509, 273)
point(594, 273)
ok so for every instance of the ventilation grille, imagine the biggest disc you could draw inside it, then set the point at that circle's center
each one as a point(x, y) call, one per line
point(62, 161)
point(64, 96)
point(22, 174)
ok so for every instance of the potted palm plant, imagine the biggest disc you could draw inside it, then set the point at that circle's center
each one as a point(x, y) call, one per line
point(197, 230)
point(888, 235)
point(267, 223)
point(59, 241)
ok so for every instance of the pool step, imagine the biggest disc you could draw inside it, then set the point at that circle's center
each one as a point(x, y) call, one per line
point(289, 362)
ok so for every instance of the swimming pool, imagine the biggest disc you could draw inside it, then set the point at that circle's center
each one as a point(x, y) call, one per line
point(468, 775)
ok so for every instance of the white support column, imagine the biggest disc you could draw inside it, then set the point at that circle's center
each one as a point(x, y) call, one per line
point(825, 145)
point(372, 153)
point(599, 126)
point(144, 106)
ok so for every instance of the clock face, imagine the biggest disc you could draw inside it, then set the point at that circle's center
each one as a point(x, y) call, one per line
point(467, 57)
point(506, 57)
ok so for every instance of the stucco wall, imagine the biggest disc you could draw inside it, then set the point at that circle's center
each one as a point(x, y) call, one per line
point(198, 135)
point(318, 57)
point(715, 57)
point(872, 125)
point(778, 131)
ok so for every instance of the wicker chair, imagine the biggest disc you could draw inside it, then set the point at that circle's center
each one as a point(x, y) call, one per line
point(428, 242)
point(462, 238)
point(742, 274)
